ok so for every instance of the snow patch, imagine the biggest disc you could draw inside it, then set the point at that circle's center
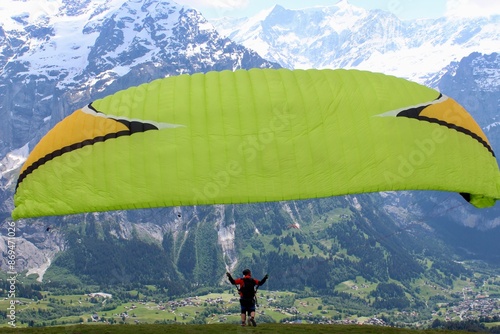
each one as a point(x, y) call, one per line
point(13, 161)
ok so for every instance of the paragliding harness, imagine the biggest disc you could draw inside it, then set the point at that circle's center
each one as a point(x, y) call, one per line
point(249, 290)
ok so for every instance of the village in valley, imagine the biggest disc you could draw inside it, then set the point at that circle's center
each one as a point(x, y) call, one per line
point(471, 302)
point(225, 308)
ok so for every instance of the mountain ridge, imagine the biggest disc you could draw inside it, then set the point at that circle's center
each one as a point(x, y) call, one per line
point(346, 36)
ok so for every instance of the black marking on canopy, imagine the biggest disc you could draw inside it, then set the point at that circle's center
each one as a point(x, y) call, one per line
point(415, 113)
point(133, 127)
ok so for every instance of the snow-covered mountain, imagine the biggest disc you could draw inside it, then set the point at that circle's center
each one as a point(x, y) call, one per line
point(85, 41)
point(58, 54)
point(346, 36)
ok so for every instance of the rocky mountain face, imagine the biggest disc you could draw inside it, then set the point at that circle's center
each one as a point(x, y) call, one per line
point(339, 238)
point(67, 56)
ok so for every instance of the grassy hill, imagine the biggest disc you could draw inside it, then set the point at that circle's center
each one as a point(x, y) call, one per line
point(221, 329)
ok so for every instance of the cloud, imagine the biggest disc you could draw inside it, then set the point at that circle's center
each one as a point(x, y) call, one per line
point(221, 4)
point(472, 8)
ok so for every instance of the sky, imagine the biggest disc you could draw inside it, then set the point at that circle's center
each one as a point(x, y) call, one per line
point(404, 9)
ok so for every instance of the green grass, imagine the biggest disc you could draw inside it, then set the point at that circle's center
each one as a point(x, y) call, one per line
point(67, 300)
point(492, 324)
point(220, 329)
point(363, 287)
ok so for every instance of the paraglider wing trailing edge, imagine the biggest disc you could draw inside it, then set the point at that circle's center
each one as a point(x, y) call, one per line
point(256, 136)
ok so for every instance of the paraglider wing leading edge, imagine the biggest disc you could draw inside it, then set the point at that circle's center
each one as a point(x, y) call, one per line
point(256, 136)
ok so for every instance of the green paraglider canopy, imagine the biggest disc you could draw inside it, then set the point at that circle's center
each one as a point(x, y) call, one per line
point(256, 136)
